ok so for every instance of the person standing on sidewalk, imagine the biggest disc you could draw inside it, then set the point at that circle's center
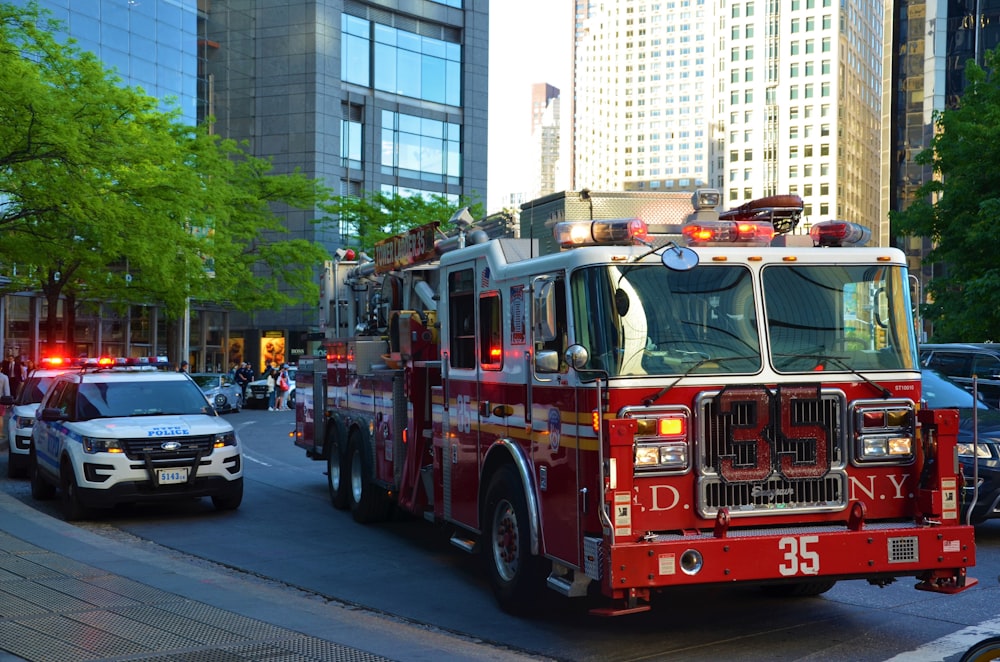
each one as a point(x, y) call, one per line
point(271, 388)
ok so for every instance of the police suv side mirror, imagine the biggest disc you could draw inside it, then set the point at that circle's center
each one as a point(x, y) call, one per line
point(52, 414)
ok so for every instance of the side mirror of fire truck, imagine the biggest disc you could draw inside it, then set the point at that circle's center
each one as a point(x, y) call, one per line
point(547, 360)
point(679, 258)
point(577, 356)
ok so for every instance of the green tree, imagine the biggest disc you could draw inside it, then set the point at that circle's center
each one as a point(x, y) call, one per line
point(368, 219)
point(103, 196)
point(960, 211)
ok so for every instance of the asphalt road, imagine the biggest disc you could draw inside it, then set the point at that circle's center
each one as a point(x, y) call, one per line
point(287, 531)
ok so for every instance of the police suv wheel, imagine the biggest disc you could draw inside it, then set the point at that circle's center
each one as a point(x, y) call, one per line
point(71, 506)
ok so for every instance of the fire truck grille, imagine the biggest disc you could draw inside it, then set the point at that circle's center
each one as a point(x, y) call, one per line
point(749, 465)
point(137, 449)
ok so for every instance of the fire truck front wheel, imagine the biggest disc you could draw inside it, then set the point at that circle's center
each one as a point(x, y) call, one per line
point(516, 575)
point(368, 502)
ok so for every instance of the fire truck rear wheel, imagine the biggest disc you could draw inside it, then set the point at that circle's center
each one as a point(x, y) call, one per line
point(337, 477)
point(987, 649)
point(798, 589)
point(368, 503)
point(517, 576)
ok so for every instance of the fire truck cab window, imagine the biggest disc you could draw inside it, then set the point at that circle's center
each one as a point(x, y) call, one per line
point(643, 319)
point(461, 318)
point(490, 331)
point(838, 317)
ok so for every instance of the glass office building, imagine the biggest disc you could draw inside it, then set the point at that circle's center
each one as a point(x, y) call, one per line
point(364, 95)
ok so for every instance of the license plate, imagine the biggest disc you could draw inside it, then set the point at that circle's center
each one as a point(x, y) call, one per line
point(172, 476)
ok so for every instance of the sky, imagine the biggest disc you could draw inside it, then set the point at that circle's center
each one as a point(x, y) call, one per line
point(530, 42)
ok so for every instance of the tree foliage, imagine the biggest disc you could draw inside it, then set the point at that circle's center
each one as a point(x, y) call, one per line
point(960, 210)
point(375, 216)
point(105, 196)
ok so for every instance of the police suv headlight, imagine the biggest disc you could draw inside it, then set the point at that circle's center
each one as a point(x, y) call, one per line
point(225, 439)
point(965, 449)
point(24, 421)
point(100, 445)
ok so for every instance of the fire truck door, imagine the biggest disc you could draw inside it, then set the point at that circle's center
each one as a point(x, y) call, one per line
point(461, 460)
point(554, 424)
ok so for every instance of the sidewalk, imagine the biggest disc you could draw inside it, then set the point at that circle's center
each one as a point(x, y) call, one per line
point(68, 594)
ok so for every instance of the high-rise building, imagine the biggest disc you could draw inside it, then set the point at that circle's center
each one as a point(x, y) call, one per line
point(364, 95)
point(927, 45)
point(753, 99)
point(546, 127)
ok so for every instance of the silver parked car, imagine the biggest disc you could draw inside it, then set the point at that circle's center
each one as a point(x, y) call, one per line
point(220, 390)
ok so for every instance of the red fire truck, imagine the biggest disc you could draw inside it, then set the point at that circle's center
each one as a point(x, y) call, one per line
point(636, 412)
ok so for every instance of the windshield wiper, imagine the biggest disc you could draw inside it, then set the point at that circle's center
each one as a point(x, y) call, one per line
point(648, 402)
point(841, 362)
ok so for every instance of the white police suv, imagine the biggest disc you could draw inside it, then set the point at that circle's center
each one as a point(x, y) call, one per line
point(113, 433)
point(19, 418)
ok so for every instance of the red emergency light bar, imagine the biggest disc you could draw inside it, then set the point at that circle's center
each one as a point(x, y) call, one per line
point(56, 362)
point(733, 233)
point(839, 233)
point(569, 234)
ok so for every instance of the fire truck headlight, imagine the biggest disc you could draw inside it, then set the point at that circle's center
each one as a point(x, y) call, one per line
point(670, 455)
point(882, 447)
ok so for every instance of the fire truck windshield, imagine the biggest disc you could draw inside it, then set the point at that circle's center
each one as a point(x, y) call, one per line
point(838, 317)
point(641, 319)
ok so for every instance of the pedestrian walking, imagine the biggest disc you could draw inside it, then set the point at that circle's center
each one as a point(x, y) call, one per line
point(281, 387)
point(183, 367)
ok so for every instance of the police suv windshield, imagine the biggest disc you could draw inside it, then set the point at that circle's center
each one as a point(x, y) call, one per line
point(643, 319)
point(114, 398)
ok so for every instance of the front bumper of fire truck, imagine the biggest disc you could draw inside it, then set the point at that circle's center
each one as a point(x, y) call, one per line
point(876, 551)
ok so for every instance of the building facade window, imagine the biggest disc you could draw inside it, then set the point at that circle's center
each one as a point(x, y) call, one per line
point(421, 148)
point(405, 63)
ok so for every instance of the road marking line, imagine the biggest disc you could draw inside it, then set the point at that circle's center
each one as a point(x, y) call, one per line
point(253, 459)
point(952, 644)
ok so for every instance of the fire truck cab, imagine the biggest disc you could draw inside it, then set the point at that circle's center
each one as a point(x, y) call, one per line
point(636, 412)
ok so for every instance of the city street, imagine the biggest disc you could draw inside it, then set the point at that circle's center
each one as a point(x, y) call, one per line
point(287, 533)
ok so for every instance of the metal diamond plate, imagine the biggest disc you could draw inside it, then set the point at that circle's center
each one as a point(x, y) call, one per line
point(24, 642)
point(26, 568)
point(87, 592)
point(44, 597)
point(226, 620)
point(9, 543)
point(149, 636)
point(98, 643)
point(181, 625)
point(12, 606)
point(134, 590)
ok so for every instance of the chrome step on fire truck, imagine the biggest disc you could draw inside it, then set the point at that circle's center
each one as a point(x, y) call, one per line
point(637, 412)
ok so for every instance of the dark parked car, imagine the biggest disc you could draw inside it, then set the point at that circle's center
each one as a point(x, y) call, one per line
point(941, 393)
point(220, 390)
point(960, 361)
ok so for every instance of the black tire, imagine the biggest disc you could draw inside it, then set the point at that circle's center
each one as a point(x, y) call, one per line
point(231, 499)
point(368, 503)
point(987, 649)
point(17, 465)
point(798, 589)
point(72, 509)
point(517, 577)
point(337, 477)
point(41, 489)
